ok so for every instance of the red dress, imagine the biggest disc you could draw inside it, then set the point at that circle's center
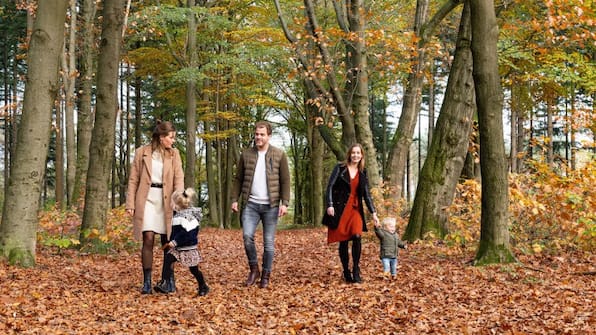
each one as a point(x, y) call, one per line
point(350, 223)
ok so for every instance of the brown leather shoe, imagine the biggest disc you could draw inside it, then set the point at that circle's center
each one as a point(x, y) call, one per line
point(264, 279)
point(253, 275)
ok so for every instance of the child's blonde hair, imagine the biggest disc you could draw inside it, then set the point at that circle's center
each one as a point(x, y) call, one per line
point(389, 222)
point(183, 199)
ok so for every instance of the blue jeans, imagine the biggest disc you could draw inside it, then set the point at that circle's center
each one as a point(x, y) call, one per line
point(390, 265)
point(251, 215)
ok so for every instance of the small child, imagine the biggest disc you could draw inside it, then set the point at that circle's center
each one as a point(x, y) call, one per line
point(389, 244)
point(183, 245)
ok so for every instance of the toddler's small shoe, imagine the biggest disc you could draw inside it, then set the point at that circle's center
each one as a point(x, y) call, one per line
point(203, 291)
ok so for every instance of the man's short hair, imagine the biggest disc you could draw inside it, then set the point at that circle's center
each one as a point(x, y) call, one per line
point(264, 124)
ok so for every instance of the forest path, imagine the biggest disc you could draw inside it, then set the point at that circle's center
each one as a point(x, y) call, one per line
point(436, 291)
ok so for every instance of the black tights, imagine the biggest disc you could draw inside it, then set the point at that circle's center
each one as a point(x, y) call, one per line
point(147, 249)
point(168, 267)
point(344, 255)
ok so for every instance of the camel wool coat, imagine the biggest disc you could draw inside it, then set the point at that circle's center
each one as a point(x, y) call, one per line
point(139, 184)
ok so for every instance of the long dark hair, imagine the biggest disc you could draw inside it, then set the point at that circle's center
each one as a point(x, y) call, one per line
point(349, 153)
point(163, 128)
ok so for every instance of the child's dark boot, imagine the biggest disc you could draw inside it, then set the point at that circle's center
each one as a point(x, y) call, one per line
point(203, 290)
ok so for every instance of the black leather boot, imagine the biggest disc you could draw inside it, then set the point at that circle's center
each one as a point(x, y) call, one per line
point(167, 284)
point(203, 290)
point(356, 274)
point(348, 276)
point(253, 275)
point(344, 257)
point(164, 286)
point(172, 283)
point(356, 251)
point(146, 282)
point(265, 279)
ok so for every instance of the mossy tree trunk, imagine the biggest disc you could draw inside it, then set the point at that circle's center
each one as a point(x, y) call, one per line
point(19, 218)
point(101, 151)
point(494, 230)
point(402, 139)
point(449, 145)
point(84, 113)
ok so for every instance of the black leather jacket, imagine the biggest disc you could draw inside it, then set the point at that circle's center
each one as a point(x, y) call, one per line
point(338, 192)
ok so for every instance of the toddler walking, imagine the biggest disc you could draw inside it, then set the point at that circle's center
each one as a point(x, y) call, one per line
point(390, 243)
point(183, 244)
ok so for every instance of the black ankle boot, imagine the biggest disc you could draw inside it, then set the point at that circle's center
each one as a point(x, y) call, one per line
point(348, 276)
point(172, 283)
point(165, 286)
point(356, 274)
point(203, 290)
point(146, 282)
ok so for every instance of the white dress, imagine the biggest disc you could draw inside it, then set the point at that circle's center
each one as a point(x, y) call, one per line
point(154, 217)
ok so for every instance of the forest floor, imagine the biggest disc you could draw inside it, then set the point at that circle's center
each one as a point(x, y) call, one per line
point(437, 292)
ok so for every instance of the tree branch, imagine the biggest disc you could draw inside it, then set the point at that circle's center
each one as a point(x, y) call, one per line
point(429, 27)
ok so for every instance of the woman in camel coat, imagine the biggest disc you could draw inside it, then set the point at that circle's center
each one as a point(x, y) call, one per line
point(156, 173)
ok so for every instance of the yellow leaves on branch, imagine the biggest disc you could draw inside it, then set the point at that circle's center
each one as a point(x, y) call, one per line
point(547, 210)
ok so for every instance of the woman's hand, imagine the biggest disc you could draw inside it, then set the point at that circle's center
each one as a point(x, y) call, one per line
point(331, 211)
point(130, 212)
point(376, 219)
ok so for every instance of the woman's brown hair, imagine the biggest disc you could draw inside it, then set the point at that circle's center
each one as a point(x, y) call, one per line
point(163, 128)
point(349, 153)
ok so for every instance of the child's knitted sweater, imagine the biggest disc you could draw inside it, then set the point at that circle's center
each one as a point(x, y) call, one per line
point(185, 227)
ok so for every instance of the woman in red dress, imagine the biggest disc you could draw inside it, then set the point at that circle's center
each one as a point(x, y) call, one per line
point(346, 190)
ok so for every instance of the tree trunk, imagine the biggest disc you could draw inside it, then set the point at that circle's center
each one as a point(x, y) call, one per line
point(333, 95)
point(69, 78)
point(357, 82)
point(19, 218)
point(317, 182)
point(572, 129)
point(447, 152)
point(101, 149)
point(59, 158)
point(410, 108)
point(494, 232)
point(231, 158)
point(7, 100)
point(85, 113)
point(402, 140)
point(212, 189)
point(550, 157)
point(138, 112)
point(514, 118)
point(120, 174)
point(520, 141)
point(431, 106)
point(191, 101)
